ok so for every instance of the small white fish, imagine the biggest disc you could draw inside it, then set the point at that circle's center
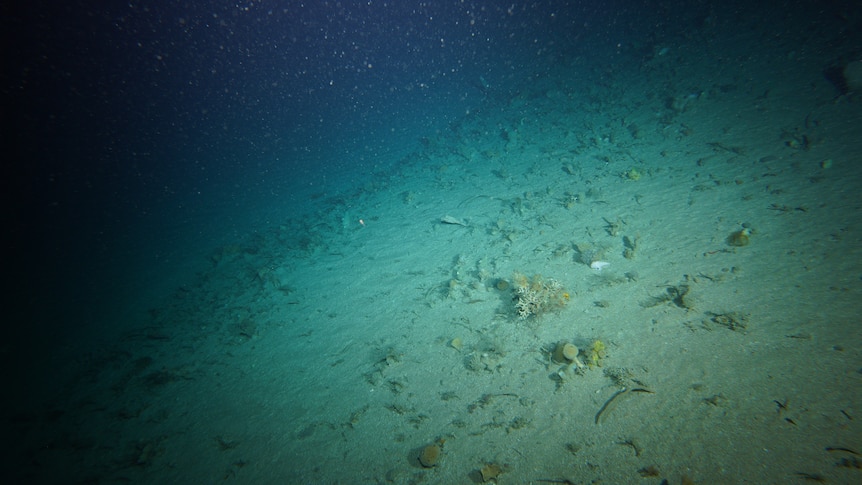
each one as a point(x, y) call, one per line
point(599, 265)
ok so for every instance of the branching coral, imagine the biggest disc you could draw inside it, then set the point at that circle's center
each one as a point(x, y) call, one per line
point(536, 296)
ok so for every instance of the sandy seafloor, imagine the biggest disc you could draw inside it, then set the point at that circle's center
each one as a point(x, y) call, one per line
point(319, 349)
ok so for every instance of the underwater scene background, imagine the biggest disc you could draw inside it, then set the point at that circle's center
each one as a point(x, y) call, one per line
point(433, 242)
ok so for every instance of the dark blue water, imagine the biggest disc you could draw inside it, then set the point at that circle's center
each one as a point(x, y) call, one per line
point(140, 133)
